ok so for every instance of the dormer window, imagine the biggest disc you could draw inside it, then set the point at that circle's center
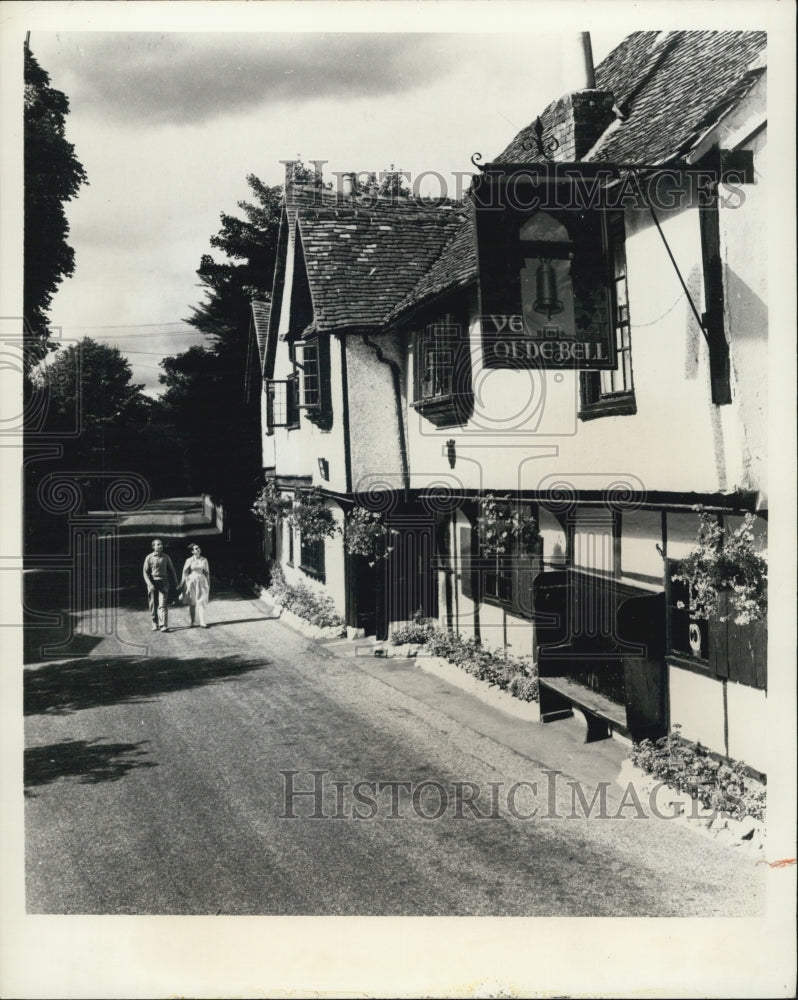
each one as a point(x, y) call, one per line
point(442, 371)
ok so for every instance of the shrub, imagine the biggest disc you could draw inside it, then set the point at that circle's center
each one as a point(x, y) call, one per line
point(524, 687)
point(278, 588)
point(508, 673)
point(299, 599)
point(413, 632)
point(688, 767)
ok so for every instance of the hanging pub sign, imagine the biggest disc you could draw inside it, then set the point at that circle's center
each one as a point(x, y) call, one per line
point(545, 285)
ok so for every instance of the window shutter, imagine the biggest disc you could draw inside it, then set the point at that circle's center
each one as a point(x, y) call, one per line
point(466, 563)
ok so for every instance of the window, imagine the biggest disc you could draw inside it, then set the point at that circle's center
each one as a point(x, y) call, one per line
point(498, 578)
point(281, 403)
point(311, 378)
point(311, 360)
point(506, 579)
point(312, 556)
point(611, 392)
point(436, 353)
point(442, 376)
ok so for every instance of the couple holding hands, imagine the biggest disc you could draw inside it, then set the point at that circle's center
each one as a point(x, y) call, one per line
point(194, 587)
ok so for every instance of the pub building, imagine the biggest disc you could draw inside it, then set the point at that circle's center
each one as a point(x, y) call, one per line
point(582, 338)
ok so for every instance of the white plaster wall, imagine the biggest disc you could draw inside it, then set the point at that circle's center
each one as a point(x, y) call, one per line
point(641, 533)
point(744, 248)
point(696, 704)
point(373, 418)
point(464, 607)
point(497, 627)
point(748, 725)
point(525, 427)
point(296, 452)
point(334, 564)
point(555, 543)
point(682, 530)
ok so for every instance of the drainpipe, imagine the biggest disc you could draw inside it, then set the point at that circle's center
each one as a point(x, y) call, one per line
point(397, 391)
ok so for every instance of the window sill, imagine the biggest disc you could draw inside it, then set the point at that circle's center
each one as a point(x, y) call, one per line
point(443, 411)
point(692, 663)
point(620, 405)
point(313, 573)
point(498, 602)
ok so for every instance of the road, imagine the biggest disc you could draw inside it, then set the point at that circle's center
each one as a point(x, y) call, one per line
point(156, 783)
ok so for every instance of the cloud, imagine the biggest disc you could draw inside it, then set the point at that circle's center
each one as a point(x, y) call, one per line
point(194, 78)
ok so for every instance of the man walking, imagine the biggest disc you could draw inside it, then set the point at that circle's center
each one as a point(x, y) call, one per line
point(158, 572)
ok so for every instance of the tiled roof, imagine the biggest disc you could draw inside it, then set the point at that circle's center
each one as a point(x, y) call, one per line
point(370, 262)
point(363, 258)
point(673, 86)
point(260, 317)
point(454, 268)
point(677, 85)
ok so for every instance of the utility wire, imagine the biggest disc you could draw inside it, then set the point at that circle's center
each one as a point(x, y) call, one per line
point(127, 326)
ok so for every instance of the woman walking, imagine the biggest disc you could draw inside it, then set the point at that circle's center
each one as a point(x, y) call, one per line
point(196, 584)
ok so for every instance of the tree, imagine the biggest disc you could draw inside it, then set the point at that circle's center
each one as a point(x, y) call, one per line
point(89, 390)
point(250, 244)
point(91, 382)
point(53, 176)
point(204, 385)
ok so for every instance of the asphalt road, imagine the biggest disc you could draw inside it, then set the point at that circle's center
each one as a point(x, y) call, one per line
point(156, 783)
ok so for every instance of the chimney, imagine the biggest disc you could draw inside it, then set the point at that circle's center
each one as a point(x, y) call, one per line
point(348, 185)
point(578, 118)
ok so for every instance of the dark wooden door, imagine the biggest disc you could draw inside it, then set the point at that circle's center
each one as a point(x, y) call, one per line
point(411, 584)
point(363, 594)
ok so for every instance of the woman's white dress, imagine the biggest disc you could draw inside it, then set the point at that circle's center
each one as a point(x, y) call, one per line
point(197, 580)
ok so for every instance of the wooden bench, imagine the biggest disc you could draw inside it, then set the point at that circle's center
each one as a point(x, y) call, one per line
point(602, 715)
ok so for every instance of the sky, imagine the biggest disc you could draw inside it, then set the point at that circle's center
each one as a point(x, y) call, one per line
point(169, 123)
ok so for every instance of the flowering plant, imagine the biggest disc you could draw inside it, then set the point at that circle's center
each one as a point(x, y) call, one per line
point(500, 524)
point(366, 533)
point(312, 516)
point(689, 767)
point(270, 506)
point(729, 562)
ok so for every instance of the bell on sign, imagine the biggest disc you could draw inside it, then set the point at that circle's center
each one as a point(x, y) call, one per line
point(546, 300)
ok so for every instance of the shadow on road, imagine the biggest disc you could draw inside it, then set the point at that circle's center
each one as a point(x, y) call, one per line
point(37, 639)
point(70, 686)
point(87, 760)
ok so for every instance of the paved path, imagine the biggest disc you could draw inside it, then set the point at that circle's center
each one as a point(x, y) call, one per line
point(156, 783)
